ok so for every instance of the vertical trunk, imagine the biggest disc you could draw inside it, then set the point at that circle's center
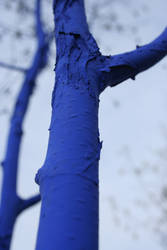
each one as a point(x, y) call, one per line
point(69, 178)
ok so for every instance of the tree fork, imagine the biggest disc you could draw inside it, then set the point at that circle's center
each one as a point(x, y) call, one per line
point(11, 204)
point(69, 177)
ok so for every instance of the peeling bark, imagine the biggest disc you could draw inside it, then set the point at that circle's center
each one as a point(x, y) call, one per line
point(119, 68)
point(69, 177)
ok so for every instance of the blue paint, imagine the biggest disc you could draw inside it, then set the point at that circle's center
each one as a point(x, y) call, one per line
point(11, 204)
point(119, 68)
point(69, 177)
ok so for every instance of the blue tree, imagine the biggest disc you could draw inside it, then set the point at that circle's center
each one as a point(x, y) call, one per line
point(69, 177)
point(11, 204)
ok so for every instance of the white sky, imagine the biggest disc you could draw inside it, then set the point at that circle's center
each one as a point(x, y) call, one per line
point(133, 127)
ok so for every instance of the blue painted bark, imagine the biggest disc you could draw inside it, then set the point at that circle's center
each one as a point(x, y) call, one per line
point(69, 177)
point(11, 204)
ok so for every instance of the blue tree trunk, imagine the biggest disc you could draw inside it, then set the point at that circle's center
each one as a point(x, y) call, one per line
point(11, 204)
point(69, 177)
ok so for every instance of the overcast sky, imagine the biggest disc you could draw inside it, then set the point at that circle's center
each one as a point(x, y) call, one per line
point(133, 127)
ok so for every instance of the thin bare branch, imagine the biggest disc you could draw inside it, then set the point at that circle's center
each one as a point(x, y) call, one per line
point(12, 67)
point(29, 202)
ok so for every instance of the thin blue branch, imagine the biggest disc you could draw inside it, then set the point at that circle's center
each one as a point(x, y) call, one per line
point(12, 67)
point(27, 203)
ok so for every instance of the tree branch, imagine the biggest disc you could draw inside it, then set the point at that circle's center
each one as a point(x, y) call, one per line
point(119, 68)
point(39, 25)
point(11, 205)
point(12, 67)
point(29, 202)
point(73, 10)
point(39, 61)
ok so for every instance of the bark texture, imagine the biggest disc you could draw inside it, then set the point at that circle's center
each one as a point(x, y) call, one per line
point(69, 177)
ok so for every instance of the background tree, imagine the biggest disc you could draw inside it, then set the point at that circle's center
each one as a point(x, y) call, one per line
point(11, 203)
point(69, 177)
